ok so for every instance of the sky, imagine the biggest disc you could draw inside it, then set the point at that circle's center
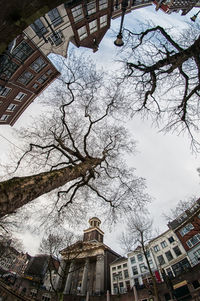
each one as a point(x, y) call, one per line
point(166, 161)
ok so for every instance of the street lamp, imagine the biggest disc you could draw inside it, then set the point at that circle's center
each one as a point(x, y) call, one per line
point(119, 42)
point(193, 19)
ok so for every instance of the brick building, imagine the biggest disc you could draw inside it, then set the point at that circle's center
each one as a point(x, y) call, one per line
point(90, 21)
point(169, 6)
point(24, 73)
point(187, 228)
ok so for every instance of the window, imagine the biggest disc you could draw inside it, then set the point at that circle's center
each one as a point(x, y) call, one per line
point(4, 91)
point(35, 86)
point(171, 239)
point(182, 217)
point(181, 266)
point(120, 275)
point(195, 284)
point(161, 260)
point(77, 13)
point(132, 259)
point(143, 268)
point(91, 7)
point(82, 32)
point(4, 117)
point(7, 67)
point(186, 229)
point(11, 107)
point(126, 275)
point(93, 26)
point(114, 276)
point(55, 17)
point(42, 79)
point(103, 4)
point(151, 263)
point(20, 96)
point(156, 248)
point(119, 267)
point(22, 51)
point(56, 38)
point(38, 64)
point(25, 78)
point(124, 265)
point(103, 21)
point(197, 254)
point(177, 251)
point(49, 72)
point(169, 272)
point(135, 270)
point(169, 255)
point(163, 244)
point(140, 257)
point(39, 28)
point(193, 241)
point(115, 288)
point(113, 268)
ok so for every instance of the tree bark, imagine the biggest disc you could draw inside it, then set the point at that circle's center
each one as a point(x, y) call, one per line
point(18, 191)
point(155, 288)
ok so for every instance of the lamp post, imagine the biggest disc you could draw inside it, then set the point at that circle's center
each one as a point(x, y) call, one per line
point(119, 42)
point(193, 19)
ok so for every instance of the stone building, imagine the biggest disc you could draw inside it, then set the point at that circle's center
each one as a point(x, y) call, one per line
point(120, 280)
point(85, 264)
point(169, 253)
point(138, 268)
point(52, 32)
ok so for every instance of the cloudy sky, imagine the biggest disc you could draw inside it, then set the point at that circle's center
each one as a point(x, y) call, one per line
point(166, 161)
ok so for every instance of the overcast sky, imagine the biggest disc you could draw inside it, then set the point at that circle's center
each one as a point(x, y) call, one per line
point(166, 161)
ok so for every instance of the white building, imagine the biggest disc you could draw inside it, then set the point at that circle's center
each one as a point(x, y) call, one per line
point(138, 268)
point(119, 274)
point(52, 32)
point(169, 253)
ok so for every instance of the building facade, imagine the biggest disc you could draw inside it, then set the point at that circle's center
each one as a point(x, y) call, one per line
point(169, 254)
point(24, 73)
point(170, 6)
point(138, 267)
point(119, 276)
point(90, 21)
point(187, 228)
point(52, 32)
point(85, 265)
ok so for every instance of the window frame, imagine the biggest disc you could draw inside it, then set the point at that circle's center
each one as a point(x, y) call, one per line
point(36, 62)
point(4, 89)
point(55, 20)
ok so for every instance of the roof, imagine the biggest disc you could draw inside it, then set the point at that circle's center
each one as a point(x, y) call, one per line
point(118, 260)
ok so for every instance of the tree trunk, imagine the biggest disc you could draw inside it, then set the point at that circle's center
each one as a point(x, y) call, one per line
point(18, 191)
point(155, 288)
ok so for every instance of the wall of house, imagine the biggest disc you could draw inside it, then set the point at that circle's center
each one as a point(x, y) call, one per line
point(63, 28)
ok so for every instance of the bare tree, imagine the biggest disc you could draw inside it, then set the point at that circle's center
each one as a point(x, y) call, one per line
point(180, 208)
point(137, 236)
point(52, 244)
point(79, 148)
point(162, 68)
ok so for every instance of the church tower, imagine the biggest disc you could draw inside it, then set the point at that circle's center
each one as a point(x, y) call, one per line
point(93, 233)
